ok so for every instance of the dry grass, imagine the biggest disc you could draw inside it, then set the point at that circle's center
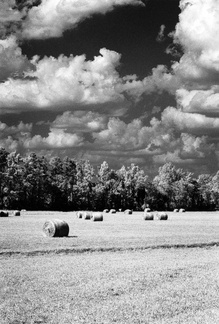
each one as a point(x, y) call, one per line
point(153, 286)
point(119, 231)
point(150, 272)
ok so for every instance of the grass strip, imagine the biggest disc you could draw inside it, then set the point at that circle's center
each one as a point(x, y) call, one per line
point(109, 249)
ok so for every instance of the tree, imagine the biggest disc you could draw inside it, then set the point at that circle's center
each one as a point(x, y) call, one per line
point(83, 188)
point(3, 169)
point(36, 182)
point(175, 185)
point(132, 186)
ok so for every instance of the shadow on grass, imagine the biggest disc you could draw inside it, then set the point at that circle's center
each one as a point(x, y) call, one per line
point(76, 250)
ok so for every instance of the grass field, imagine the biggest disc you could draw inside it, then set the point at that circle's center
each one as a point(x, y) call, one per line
point(122, 270)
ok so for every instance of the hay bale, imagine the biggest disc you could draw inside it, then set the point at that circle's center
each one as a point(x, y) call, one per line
point(148, 216)
point(176, 210)
point(55, 228)
point(112, 211)
point(162, 216)
point(87, 215)
point(79, 214)
point(97, 217)
point(106, 210)
point(147, 210)
point(182, 210)
point(3, 213)
point(17, 213)
point(128, 211)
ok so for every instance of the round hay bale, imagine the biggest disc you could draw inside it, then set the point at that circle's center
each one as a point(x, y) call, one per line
point(147, 210)
point(182, 210)
point(97, 217)
point(112, 211)
point(162, 216)
point(17, 213)
point(106, 210)
point(87, 215)
point(55, 228)
point(128, 211)
point(79, 214)
point(176, 210)
point(148, 216)
point(3, 213)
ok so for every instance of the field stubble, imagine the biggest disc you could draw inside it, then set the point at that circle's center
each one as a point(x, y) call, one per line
point(117, 231)
point(130, 283)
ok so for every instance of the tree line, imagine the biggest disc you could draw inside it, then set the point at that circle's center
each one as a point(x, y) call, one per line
point(36, 183)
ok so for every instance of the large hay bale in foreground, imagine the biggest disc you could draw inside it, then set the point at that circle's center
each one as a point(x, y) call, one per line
point(106, 210)
point(97, 217)
point(148, 216)
point(17, 213)
point(162, 216)
point(182, 210)
point(56, 228)
point(79, 214)
point(87, 215)
point(128, 211)
point(112, 211)
point(3, 213)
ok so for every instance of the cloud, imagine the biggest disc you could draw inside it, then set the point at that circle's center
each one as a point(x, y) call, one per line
point(16, 131)
point(194, 123)
point(121, 136)
point(56, 83)
point(66, 82)
point(56, 139)
point(160, 80)
point(201, 101)
point(12, 62)
point(13, 137)
point(197, 34)
point(52, 17)
point(10, 18)
point(80, 121)
point(160, 37)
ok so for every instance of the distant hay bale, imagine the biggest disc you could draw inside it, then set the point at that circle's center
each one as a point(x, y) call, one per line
point(148, 216)
point(147, 210)
point(112, 211)
point(182, 210)
point(17, 213)
point(97, 217)
point(87, 215)
point(162, 216)
point(106, 210)
point(23, 210)
point(79, 214)
point(55, 228)
point(176, 210)
point(3, 213)
point(128, 211)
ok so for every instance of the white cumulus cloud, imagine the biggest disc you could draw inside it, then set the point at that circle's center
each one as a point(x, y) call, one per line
point(52, 17)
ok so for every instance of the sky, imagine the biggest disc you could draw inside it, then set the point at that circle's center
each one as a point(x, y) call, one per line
point(122, 81)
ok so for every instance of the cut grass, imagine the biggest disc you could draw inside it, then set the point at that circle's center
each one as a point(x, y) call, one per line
point(147, 274)
point(116, 232)
point(153, 286)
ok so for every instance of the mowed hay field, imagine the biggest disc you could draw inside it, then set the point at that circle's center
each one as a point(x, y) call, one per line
point(121, 270)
